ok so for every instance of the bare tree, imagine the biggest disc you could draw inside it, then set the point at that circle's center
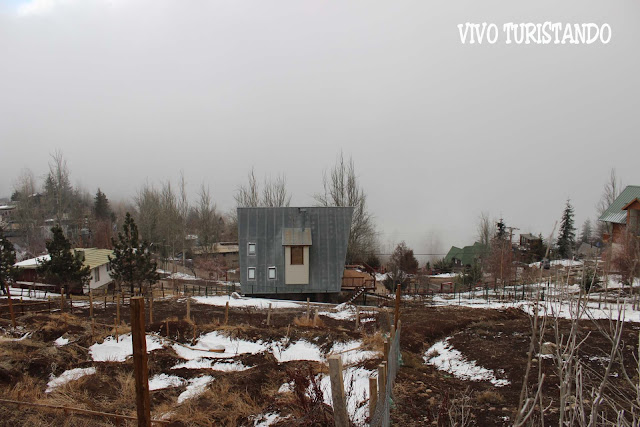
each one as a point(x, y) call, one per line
point(207, 222)
point(183, 212)
point(610, 192)
point(58, 186)
point(170, 220)
point(248, 196)
point(148, 208)
point(29, 212)
point(274, 192)
point(486, 229)
point(341, 188)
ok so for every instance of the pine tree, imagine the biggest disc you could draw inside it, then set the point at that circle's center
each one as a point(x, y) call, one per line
point(567, 237)
point(132, 263)
point(101, 208)
point(63, 268)
point(501, 230)
point(7, 260)
point(404, 259)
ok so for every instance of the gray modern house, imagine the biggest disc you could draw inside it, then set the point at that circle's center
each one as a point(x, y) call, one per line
point(293, 251)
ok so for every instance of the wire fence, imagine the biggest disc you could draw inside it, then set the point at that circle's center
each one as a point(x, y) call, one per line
point(382, 414)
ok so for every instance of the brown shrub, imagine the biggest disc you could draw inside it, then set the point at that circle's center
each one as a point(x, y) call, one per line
point(489, 396)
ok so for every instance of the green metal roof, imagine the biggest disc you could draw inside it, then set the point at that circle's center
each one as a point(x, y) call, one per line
point(614, 213)
point(466, 255)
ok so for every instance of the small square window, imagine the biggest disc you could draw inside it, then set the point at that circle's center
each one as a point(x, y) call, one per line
point(271, 273)
point(252, 249)
point(251, 273)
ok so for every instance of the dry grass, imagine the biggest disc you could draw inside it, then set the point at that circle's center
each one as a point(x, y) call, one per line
point(374, 342)
point(489, 396)
point(308, 322)
point(218, 405)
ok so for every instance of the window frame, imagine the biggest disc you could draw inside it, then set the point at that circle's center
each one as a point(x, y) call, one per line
point(275, 273)
point(249, 252)
point(249, 269)
point(96, 274)
point(301, 255)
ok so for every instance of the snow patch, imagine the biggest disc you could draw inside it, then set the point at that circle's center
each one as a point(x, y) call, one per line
point(161, 381)
point(214, 340)
point(210, 364)
point(111, 351)
point(444, 357)
point(61, 341)
point(68, 375)
point(259, 303)
point(300, 350)
point(196, 387)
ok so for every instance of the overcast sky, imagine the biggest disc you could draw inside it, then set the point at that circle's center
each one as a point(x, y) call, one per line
point(137, 90)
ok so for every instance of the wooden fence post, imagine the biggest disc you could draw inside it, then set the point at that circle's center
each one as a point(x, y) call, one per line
point(373, 395)
point(117, 311)
point(382, 381)
point(61, 299)
point(340, 416)
point(397, 313)
point(151, 308)
point(188, 309)
point(226, 313)
point(386, 350)
point(13, 315)
point(90, 303)
point(316, 317)
point(71, 302)
point(143, 402)
point(269, 315)
point(308, 310)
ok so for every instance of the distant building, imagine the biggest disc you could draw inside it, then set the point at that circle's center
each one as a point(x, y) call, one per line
point(96, 259)
point(467, 256)
point(527, 240)
point(227, 253)
point(623, 215)
point(293, 251)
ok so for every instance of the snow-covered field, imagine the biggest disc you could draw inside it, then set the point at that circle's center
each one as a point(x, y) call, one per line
point(217, 352)
point(566, 309)
point(258, 303)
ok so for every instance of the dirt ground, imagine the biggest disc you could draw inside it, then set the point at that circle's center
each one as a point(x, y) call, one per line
point(423, 395)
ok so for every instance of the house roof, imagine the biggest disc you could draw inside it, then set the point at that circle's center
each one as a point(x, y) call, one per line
point(468, 254)
point(615, 212)
point(92, 258)
point(95, 257)
point(529, 236)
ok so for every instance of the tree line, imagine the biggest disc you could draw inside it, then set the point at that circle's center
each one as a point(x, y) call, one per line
point(164, 213)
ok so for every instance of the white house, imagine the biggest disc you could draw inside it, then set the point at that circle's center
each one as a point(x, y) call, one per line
point(96, 259)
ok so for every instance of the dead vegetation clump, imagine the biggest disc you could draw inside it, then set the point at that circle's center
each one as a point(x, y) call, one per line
point(308, 322)
point(220, 404)
point(489, 397)
point(305, 399)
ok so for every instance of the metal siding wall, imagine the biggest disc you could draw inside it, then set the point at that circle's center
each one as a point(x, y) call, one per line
point(330, 233)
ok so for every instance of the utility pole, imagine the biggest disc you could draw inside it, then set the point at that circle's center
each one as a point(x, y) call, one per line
point(515, 270)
